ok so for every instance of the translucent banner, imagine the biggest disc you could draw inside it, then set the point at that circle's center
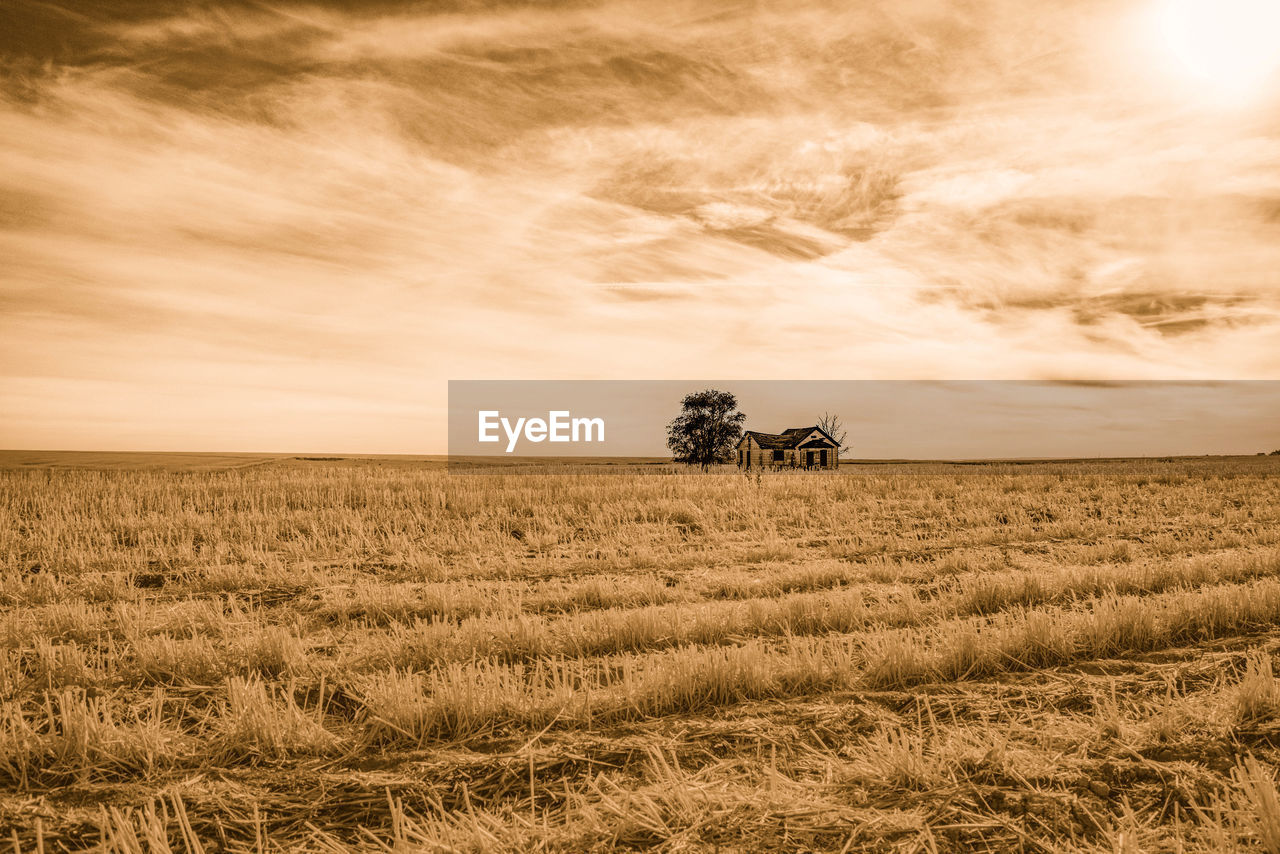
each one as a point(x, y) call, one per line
point(813, 425)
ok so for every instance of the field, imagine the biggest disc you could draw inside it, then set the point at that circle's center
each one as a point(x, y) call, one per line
point(327, 654)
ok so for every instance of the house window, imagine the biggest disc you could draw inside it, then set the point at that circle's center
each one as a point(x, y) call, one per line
point(778, 456)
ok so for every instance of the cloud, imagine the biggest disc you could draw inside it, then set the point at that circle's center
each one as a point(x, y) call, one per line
point(338, 206)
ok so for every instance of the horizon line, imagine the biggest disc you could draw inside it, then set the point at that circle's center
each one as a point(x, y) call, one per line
point(325, 456)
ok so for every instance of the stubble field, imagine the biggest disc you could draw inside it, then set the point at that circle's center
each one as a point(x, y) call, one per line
point(327, 654)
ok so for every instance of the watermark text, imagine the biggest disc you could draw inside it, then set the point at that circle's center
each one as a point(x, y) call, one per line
point(558, 426)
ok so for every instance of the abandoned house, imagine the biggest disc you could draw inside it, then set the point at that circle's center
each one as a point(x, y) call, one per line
point(799, 447)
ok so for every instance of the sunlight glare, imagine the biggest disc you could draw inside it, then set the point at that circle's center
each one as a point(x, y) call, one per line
point(1230, 48)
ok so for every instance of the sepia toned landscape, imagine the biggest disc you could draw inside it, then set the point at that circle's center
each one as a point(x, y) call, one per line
point(442, 426)
point(370, 654)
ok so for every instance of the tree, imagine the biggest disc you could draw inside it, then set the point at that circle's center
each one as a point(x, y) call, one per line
point(830, 424)
point(707, 429)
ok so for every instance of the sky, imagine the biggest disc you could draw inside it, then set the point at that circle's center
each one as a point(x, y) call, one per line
point(285, 226)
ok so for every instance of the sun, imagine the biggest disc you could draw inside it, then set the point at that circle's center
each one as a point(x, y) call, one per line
point(1227, 48)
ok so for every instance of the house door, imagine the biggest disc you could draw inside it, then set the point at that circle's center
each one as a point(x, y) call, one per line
point(824, 457)
point(808, 458)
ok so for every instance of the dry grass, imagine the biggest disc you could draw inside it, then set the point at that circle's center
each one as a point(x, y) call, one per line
point(374, 656)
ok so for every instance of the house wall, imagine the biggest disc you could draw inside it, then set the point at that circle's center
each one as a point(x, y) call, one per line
point(756, 455)
point(833, 460)
point(833, 455)
point(763, 458)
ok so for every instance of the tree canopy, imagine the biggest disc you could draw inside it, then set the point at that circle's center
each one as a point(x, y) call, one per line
point(707, 429)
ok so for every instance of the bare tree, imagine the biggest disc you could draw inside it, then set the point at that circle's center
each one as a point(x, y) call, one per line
point(830, 424)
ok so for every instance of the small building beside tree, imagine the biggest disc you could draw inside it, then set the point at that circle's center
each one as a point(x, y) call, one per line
point(798, 447)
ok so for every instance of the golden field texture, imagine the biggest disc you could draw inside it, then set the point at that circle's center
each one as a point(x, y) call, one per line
point(377, 655)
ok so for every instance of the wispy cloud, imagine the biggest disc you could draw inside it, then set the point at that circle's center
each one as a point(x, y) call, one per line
point(219, 217)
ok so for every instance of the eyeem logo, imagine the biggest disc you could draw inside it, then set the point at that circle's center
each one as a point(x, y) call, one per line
point(558, 427)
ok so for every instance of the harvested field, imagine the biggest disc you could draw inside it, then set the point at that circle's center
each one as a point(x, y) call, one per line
point(319, 654)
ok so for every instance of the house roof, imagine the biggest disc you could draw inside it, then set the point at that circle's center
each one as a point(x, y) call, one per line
point(787, 439)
